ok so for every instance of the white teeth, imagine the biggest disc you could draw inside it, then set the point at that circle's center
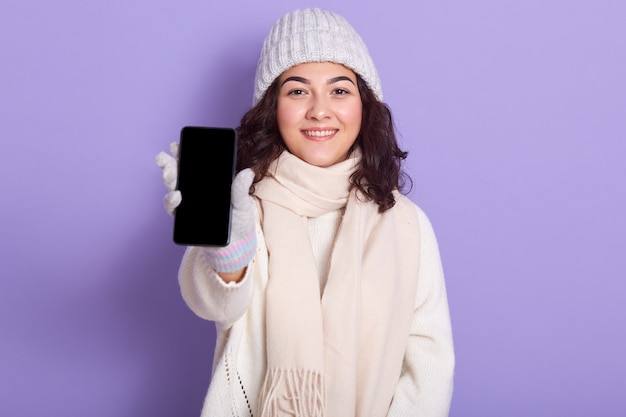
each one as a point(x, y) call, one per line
point(319, 133)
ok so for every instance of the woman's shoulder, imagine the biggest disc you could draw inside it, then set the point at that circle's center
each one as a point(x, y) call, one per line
point(410, 206)
point(405, 203)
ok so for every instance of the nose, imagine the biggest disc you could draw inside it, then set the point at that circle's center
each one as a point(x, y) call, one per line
point(319, 108)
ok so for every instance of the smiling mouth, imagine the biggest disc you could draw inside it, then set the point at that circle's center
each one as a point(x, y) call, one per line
point(320, 134)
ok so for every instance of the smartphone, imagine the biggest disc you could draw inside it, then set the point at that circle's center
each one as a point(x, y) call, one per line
point(206, 167)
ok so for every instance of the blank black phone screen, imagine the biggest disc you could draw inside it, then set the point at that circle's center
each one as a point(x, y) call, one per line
point(206, 166)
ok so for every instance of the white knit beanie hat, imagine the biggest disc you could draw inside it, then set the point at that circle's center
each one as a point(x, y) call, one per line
point(313, 35)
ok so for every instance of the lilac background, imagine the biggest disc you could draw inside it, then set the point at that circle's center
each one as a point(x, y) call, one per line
point(515, 117)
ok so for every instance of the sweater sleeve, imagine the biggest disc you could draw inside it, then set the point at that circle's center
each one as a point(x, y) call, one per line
point(207, 295)
point(426, 382)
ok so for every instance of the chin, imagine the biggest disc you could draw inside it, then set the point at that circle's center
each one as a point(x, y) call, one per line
point(321, 162)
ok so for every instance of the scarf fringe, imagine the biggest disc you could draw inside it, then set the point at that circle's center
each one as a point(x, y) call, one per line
point(292, 392)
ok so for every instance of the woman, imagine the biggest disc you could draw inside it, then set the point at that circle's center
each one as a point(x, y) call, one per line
point(330, 299)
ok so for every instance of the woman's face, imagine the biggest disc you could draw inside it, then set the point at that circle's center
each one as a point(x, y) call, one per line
point(319, 112)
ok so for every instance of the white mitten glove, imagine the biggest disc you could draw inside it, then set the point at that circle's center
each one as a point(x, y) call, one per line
point(169, 165)
point(240, 251)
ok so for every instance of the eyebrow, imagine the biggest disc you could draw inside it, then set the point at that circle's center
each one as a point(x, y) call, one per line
point(306, 81)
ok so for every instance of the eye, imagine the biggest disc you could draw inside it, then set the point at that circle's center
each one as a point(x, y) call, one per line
point(295, 92)
point(340, 92)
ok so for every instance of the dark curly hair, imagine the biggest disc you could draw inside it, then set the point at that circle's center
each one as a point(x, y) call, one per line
point(380, 171)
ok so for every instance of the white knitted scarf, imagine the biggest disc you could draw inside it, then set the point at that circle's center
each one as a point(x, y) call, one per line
point(340, 353)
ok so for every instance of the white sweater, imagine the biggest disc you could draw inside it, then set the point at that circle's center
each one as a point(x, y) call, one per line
point(425, 386)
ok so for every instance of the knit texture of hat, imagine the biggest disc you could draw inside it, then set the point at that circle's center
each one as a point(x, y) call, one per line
point(313, 35)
